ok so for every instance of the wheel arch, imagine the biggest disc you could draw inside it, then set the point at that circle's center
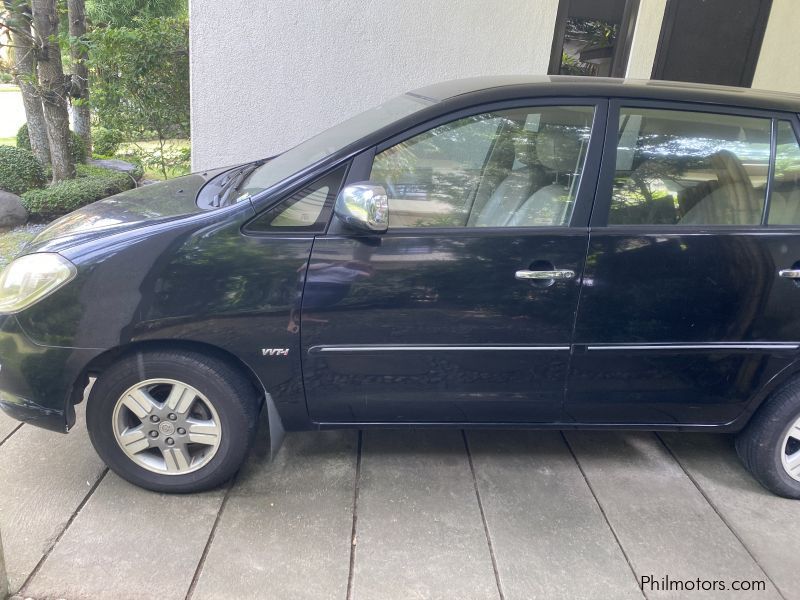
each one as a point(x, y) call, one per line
point(782, 378)
point(102, 361)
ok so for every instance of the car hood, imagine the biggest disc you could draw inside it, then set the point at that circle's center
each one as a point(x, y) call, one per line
point(144, 205)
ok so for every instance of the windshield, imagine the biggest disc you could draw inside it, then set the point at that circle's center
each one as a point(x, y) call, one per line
point(329, 141)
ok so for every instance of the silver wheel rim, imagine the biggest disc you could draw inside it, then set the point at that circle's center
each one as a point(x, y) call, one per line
point(166, 426)
point(790, 451)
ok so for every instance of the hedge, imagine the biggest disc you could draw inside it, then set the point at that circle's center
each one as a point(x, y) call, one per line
point(76, 146)
point(19, 170)
point(91, 184)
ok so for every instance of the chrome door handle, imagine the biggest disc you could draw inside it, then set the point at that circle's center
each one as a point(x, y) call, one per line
point(545, 275)
point(789, 273)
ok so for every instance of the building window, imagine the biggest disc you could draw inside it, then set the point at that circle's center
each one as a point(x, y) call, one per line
point(593, 37)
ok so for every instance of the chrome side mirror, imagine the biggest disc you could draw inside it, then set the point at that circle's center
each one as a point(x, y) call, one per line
point(363, 206)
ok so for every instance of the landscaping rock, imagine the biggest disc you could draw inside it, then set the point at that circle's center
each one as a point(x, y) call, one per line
point(12, 213)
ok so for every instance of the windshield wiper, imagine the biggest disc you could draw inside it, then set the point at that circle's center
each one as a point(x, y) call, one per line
point(232, 183)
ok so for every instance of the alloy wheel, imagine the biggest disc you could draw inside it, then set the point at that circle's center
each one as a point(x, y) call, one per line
point(790, 451)
point(166, 426)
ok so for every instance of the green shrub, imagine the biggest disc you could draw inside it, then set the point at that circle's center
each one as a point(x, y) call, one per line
point(91, 184)
point(19, 170)
point(139, 77)
point(23, 141)
point(76, 146)
point(105, 142)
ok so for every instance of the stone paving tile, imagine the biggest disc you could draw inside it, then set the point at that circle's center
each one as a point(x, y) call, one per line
point(549, 536)
point(128, 543)
point(4, 591)
point(662, 521)
point(419, 528)
point(45, 476)
point(285, 530)
point(768, 525)
point(7, 425)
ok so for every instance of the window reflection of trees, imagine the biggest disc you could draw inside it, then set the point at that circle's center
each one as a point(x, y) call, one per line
point(657, 187)
point(432, 179)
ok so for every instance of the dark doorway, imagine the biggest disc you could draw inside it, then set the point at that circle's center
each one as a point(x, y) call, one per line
point(593, 37)
point(714, 41)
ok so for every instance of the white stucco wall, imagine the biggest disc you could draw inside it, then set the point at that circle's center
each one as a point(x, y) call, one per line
point(268, 74)
point(645, 38)
point(778, 67)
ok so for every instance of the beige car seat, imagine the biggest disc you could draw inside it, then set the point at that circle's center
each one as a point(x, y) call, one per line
point(559, 153)
point(735, 200)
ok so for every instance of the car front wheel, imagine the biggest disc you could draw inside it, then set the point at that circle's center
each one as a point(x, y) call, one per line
point(770, 444)
point(172, 421)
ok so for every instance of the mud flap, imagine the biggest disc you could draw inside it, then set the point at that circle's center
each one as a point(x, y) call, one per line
point(276, 432)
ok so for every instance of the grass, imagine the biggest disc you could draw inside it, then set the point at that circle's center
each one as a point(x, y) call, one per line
point(6, 87)
point(159, 176)
point(148, 146)
point(127, 151)
point(12, 241)
point(152, 145)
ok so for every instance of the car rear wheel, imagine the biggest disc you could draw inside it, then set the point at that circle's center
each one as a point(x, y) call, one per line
point(770, 444)
point(173, 421)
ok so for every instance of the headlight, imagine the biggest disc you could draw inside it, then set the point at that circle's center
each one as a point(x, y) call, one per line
point(32, 277)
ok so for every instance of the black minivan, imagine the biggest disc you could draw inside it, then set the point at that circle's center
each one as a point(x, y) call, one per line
point(497, 252)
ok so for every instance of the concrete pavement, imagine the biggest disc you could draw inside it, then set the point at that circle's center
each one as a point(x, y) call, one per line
point(403, 514)
point(3, 578)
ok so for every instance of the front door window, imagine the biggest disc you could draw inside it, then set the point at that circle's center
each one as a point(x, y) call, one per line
point(514, 168)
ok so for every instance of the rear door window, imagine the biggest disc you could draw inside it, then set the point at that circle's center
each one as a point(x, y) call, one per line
point(784, 203)
point(676, 167)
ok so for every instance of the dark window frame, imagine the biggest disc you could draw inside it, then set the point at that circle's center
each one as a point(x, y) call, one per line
point(619, 65)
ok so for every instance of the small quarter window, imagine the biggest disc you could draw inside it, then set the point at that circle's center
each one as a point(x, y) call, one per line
point(308, 209)
point(784, 202)
point(689, 168)
point(305, 210)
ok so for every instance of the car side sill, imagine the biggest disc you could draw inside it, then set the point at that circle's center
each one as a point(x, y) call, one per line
point(718, 427)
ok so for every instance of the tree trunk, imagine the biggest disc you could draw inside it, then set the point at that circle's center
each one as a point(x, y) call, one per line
point(25, 75)
point(80, 72)
point(52, 88)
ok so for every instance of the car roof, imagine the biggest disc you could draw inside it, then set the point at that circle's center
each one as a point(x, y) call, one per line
point(503, 86)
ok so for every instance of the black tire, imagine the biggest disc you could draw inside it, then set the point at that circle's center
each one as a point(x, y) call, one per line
point(231, 394)
point(761, 444)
